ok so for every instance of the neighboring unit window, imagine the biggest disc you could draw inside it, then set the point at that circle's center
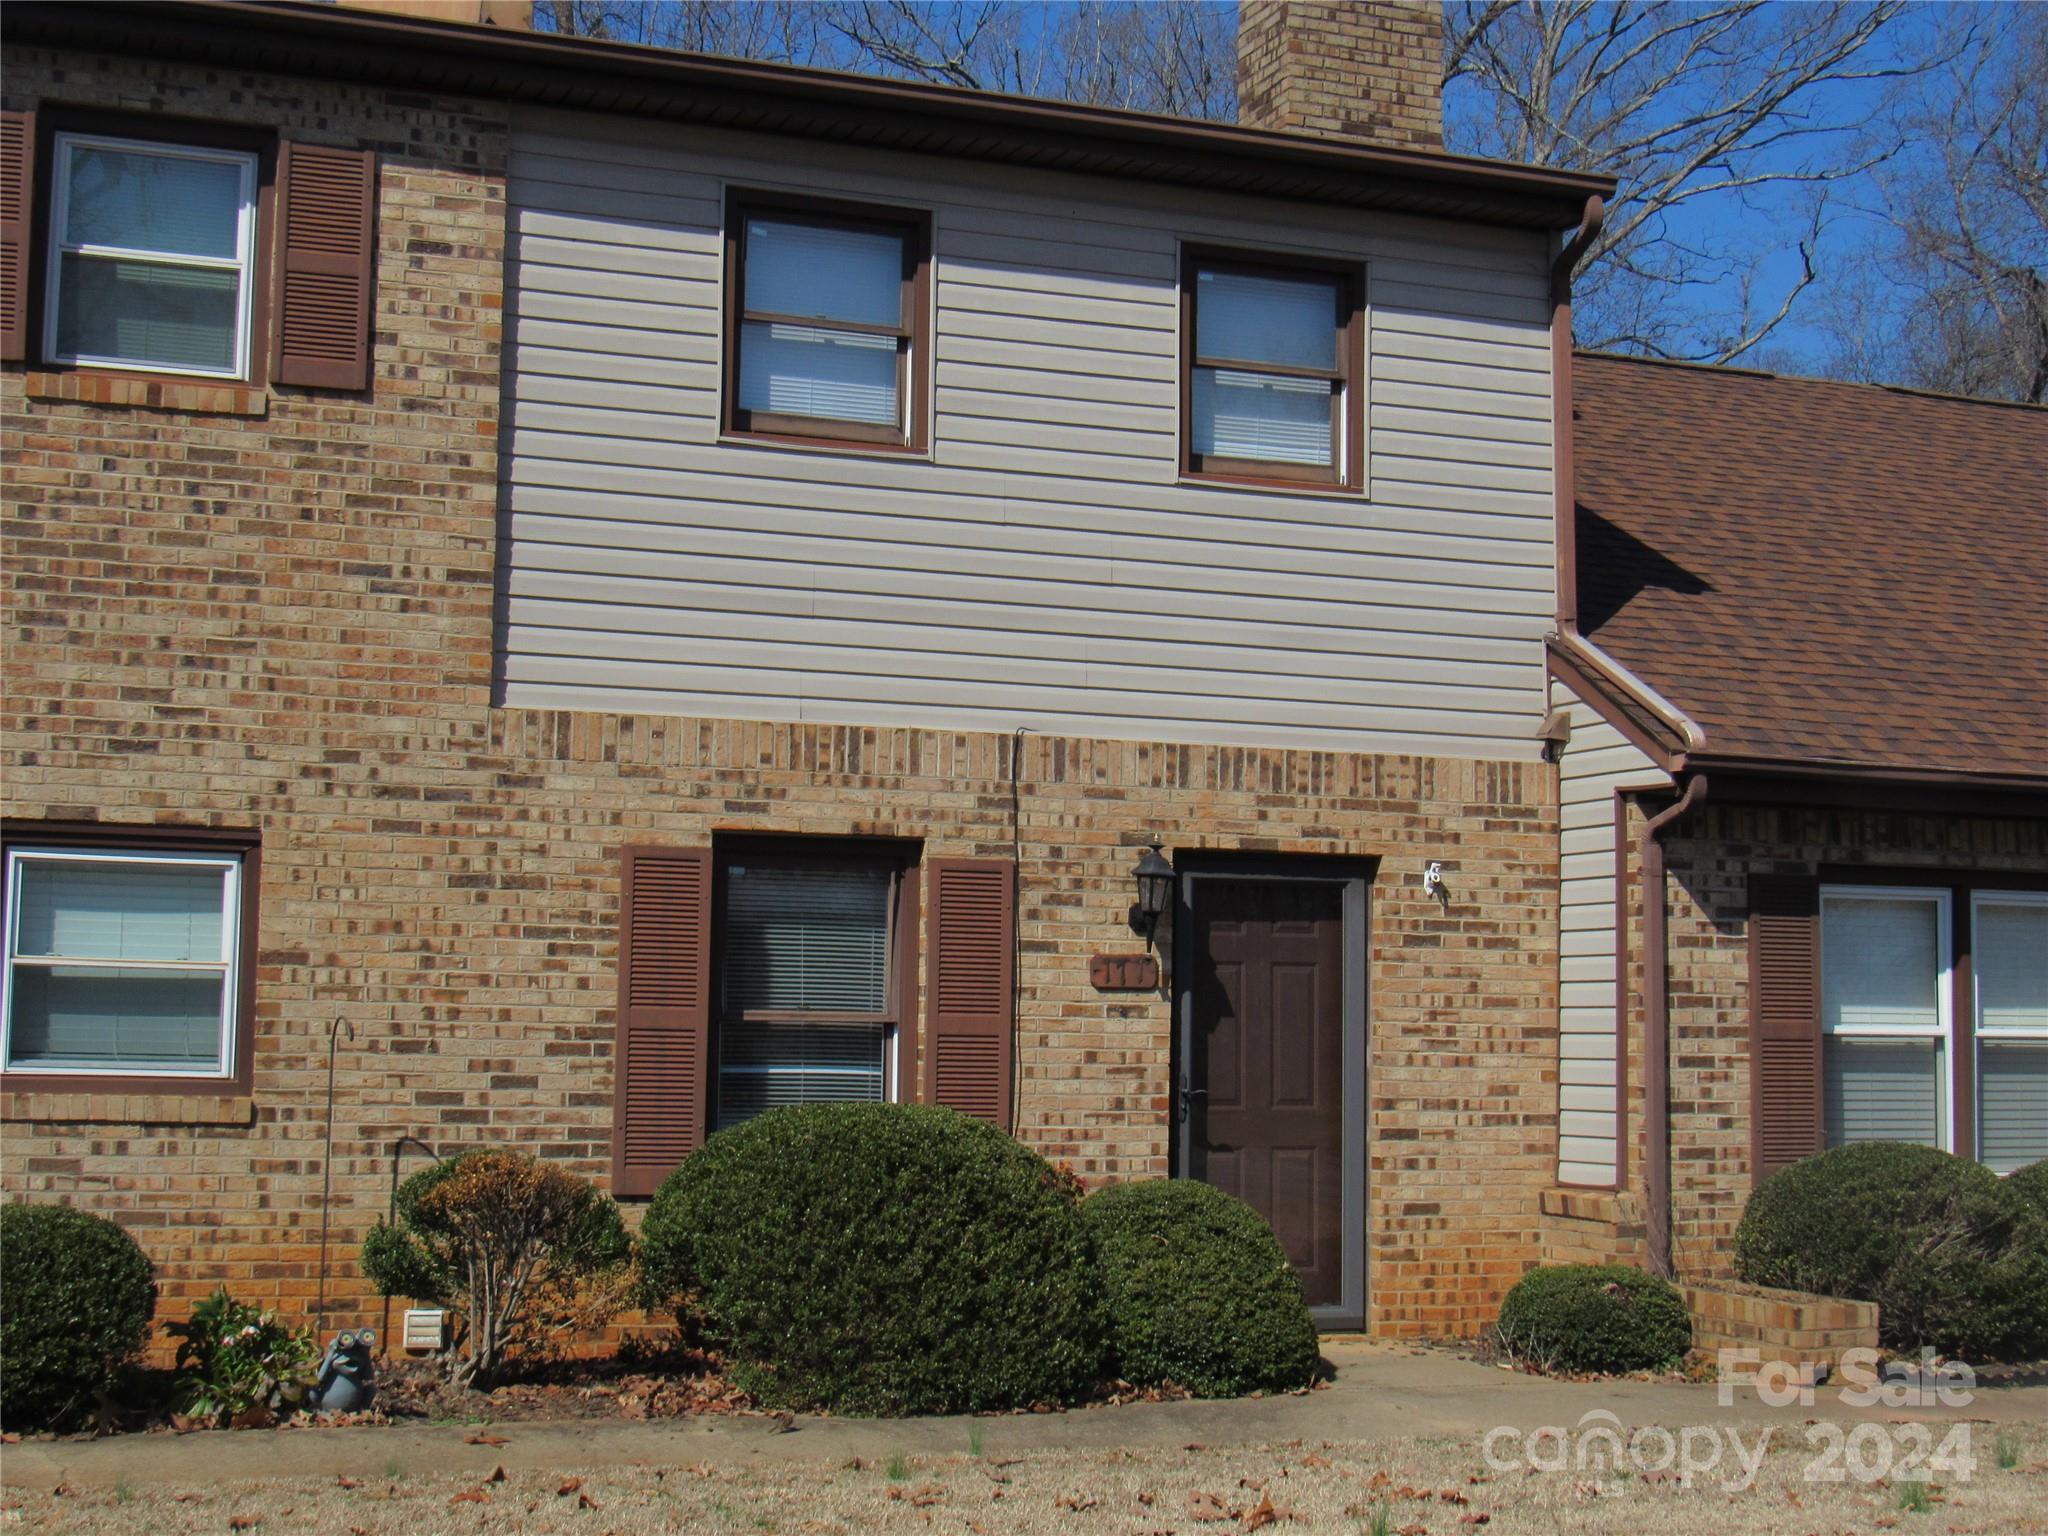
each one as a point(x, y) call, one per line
point(2009, 963)
point(151, 256)
point(121, 963)
point(827, 340)
point(806, 988)
point(1885, 1015)
point(1271, 381)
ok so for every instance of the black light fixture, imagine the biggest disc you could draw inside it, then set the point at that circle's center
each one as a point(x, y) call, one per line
point(1155, 891)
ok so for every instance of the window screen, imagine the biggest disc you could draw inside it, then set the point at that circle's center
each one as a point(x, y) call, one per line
point(1884, 1016)
point(805, 1000)
point(1268, 371)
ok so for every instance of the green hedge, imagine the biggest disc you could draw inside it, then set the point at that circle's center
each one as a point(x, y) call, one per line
point(1198, 1291)
point(2032, 1182)
point(1955, 1257)
point(78, 1297)
point(1594, 1317)
point(879, 1259)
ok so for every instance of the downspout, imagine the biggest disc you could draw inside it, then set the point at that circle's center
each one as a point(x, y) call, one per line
point(1657, 1026)
point(1564, 498)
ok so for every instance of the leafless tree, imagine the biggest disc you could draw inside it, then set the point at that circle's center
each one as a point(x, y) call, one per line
point(1951, 290)
point(1705, 113)
point(1175, 56)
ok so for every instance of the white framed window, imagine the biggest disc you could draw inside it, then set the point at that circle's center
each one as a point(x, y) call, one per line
point(152, 256)
point(2009, 971)
point(807, 983)
point(1887, 1025)
point(121, 963)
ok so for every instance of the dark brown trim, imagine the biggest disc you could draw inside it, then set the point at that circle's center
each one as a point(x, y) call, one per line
point(1346, 470)
point(113, 837)
point(1932, 792)
point(914, 333)
point(1564, 480)
point(1599, 697)
point(1657, 1026)
point(420, 55)
point(53, 118)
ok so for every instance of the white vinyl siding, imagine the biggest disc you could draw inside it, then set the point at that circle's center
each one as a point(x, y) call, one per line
point(1041, 565)
point(1597, 761)
point(123, 964)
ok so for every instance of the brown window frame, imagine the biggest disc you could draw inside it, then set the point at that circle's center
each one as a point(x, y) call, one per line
point(911, 434)
point(901, 859)
point(53, 119)
point(1346, 470)
point(113, 840)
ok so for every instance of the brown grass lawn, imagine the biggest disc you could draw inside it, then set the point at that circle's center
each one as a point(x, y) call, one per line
point(1440, 1487)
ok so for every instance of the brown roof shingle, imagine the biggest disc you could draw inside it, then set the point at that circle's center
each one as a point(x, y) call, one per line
point(1820, 573)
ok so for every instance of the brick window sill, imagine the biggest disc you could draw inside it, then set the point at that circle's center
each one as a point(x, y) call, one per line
point(1582, 1204)
point(150, 392)
point(128, 1108)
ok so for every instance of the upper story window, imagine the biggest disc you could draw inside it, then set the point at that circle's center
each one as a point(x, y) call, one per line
point(828, 338)
point(152, 256)
point(122, 963)
point(1272, 371)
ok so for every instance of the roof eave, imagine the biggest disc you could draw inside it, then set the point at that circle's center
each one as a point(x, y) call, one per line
point(589, 74)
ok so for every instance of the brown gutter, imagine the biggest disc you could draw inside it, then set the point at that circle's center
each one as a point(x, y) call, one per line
point(1564, 490)
point(495, 63)
point(1657, 1025)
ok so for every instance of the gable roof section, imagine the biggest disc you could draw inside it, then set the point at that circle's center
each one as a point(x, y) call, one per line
point(1824, 576)
point(415, 53)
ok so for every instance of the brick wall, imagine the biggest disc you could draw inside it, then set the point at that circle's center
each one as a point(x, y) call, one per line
point(275, 611)
point(1366, 69)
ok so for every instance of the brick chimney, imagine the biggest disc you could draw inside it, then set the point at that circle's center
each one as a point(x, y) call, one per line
point(516, 15)
point(1346, 69)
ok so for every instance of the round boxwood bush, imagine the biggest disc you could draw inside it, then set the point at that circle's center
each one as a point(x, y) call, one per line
point(2032, 1182)
point(76, 1299)
point(1198, 1291)
point(1955, 1257)
point(879, 1259)
point(1594, 1317)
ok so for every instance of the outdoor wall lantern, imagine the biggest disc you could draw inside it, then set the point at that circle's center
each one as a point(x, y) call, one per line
point(1155, 891)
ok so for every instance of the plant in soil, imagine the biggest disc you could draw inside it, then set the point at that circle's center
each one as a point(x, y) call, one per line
point(76, 1299)
point(241, 1365)
point(511, 1246)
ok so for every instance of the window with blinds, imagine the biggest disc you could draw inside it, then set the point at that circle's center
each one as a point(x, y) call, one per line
point(806, 1001)
point(121, 964)
point(2009, 967)
point(152, 252)
point(827, 332)
point(1885, 1015)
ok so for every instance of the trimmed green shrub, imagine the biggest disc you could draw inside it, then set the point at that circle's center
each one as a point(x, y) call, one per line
point(1198, 1291)
point(507, 1243)
point(879, 1259)
point(76, 1299)
point(1955, 1257)
point(2032, 1181)
point(1594, 1317)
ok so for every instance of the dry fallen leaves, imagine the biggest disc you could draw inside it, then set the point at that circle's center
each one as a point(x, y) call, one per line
point(345, 1481)
point(471, 1496)
point(1207, 1507)
point(244, 1522)
point(1075, 1501)
point(569, 1485)
point(482, 1437)
point(1266, 1513)
point(585, 1501)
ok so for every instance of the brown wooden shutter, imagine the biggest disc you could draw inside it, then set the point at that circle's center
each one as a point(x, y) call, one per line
point(664, 1045)
point(326, 266)
point(970, 982)
point(17, 226)
point(1784, 1026)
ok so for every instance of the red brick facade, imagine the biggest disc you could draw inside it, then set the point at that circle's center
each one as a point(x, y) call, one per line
point(273, 609)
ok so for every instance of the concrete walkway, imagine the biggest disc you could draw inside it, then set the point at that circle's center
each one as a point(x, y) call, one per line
point(1380, 1392)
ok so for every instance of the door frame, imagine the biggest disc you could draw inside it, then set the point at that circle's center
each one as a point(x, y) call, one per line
point(1355, 877)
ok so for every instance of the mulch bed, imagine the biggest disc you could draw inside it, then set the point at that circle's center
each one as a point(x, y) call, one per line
point(674, 1384)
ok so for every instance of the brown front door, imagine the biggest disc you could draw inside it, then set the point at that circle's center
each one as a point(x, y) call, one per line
point(1264, 1068)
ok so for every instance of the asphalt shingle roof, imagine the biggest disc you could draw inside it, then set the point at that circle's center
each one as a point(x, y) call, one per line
point(1821, 573)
